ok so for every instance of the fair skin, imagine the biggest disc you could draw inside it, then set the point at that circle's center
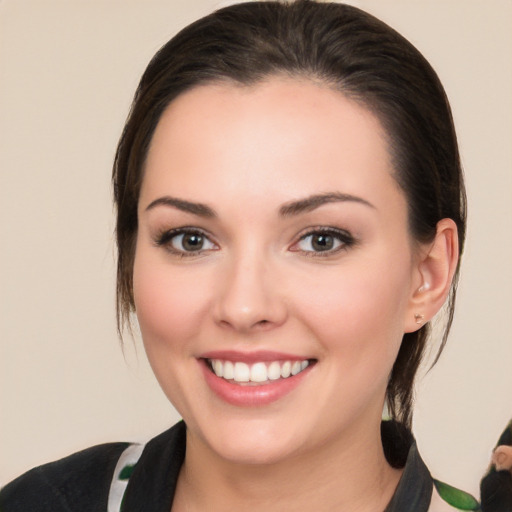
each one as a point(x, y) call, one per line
point(271, 230)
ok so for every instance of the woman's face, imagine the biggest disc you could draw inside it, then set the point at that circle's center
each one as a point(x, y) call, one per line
point(272, 239)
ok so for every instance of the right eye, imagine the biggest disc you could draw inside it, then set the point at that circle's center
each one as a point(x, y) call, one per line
point(186, 242)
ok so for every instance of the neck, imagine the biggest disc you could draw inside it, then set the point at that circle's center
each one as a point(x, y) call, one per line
point(347, 474)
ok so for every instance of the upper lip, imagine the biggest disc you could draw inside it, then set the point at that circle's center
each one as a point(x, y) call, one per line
point(252, 357)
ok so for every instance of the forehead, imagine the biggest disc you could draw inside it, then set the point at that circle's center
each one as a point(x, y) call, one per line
point(293, 137)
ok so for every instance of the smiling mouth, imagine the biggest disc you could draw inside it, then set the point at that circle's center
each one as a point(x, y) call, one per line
point(257, 373)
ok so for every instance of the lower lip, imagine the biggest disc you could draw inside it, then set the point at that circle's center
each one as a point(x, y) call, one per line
point(251, 395)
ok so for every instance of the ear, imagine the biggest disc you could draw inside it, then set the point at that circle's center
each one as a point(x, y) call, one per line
point(435, 268)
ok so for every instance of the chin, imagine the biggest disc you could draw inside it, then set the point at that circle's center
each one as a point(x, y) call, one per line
point(259, 453)
point(251, 441)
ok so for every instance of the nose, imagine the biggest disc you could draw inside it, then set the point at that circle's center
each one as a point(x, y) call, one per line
point(250, 297)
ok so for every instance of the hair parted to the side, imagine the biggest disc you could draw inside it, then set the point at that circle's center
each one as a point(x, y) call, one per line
point(344, 48)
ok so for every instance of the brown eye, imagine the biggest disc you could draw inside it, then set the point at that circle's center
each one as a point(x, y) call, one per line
point(185, 242)
point(188, 242)
point(327, 240)
point(322, 242)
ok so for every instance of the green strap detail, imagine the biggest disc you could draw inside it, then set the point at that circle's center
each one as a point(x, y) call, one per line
point(456, 498)
point(126, 472)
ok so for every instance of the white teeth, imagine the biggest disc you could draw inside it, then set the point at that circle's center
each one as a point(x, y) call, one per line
point(217, 368)
point(274, 371)
point(295, 367)
point(257, 372)
point(242, 372)
point(229, 370)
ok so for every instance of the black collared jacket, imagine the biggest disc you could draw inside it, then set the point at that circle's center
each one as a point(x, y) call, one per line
point(123, 477)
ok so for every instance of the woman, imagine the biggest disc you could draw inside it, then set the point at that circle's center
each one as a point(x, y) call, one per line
point(291, 213)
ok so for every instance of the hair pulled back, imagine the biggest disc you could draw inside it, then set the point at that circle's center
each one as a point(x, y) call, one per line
point(344, 48)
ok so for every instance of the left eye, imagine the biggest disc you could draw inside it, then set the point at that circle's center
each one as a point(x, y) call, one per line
point(191, 242)
point(321, 241)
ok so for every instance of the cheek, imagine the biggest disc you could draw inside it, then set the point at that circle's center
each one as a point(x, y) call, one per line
point(169, 302)
point(359, 314)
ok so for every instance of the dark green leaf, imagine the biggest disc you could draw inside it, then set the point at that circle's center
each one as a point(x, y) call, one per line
point(455, 497)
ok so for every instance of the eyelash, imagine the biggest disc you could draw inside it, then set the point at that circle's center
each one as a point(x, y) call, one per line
point(340, 236)
point(344, 238)
point(165, 239)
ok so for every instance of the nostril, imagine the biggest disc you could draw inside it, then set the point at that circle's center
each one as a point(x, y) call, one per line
point(262, 323)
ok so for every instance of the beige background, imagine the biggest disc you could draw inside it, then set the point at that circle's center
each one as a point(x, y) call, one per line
point(68, 70)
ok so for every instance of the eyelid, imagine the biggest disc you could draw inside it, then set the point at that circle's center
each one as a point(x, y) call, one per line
point(345, 238)
point(164, 238)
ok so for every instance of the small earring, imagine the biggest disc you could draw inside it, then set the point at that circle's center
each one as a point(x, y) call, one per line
point(419, 318)
point(424, 287)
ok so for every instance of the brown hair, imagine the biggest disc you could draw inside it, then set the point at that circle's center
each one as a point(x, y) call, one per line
point(346, 49)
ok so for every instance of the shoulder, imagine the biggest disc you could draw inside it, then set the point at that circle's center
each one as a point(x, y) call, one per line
point(417, 490)
point(98, 478)
point(79, 482)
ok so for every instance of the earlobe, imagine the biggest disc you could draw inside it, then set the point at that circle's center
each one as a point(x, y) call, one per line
point(436, 267)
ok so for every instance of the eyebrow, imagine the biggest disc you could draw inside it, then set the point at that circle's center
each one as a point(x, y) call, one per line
point(315, 201)
point(199, 209)
point(289, 209)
